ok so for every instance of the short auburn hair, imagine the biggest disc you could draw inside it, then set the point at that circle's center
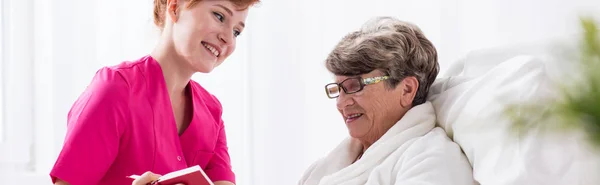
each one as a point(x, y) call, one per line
point(160, 5)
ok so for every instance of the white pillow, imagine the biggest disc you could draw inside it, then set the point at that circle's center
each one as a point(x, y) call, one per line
point(470, 107)
point(478, 62)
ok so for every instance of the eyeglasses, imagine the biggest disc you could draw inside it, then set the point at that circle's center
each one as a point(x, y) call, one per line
point(351, 85)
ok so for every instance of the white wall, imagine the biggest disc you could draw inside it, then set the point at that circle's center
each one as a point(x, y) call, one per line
point(277, 116)
point(1, 66)
point(16, 137)
point(473, 24)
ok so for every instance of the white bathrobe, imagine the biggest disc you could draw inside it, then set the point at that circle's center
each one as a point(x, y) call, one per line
point(412, 152)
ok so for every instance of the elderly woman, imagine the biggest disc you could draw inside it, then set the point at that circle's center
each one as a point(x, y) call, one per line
point(382, 76)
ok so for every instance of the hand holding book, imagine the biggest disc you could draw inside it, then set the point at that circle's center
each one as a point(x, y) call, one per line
point(144, 179)
point(190, 176)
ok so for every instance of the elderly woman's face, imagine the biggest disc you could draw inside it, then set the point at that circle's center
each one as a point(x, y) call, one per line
point(370, 112)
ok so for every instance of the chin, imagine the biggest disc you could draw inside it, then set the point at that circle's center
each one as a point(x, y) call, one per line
point(355, 133)
point(204, 70)
point(203, 66)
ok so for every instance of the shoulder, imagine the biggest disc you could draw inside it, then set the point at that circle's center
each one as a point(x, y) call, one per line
point(108, 83)
point(435, 143)
point(131, 71)
point(112, 84)
point(435, 157)
point(313, 174)
point(116, 78)
point(107, 89)
point(125, 74)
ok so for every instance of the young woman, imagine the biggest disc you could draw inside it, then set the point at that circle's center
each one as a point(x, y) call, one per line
point(148, 115)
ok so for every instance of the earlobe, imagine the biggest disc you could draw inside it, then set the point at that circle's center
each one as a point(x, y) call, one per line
point(410, 85)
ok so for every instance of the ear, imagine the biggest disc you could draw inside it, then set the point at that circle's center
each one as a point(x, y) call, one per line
point(172, 9)
point(409, 86)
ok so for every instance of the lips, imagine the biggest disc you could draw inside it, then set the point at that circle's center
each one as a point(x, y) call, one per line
point(352, 117)
point(216, 51)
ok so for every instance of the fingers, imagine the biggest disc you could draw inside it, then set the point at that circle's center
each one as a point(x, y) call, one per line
point(146, 178)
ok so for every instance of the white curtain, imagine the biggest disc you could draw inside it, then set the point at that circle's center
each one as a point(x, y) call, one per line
point(277, 116)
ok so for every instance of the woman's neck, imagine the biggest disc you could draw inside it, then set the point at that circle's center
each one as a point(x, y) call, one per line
point(176, 72)
point(375, 134)
point(372, 137)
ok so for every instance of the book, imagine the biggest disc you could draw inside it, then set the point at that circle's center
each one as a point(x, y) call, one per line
point(189, 176)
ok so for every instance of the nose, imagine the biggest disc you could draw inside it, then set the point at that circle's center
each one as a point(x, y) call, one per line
point(227, 37)
point(344, 100)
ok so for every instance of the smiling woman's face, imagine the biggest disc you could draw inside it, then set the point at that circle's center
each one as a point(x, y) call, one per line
point(205, 34)
point(370, 112)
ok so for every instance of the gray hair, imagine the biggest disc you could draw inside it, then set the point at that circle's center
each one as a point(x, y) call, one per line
point(398, 48)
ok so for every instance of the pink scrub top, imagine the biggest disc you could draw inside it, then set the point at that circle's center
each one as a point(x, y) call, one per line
point(123, 124)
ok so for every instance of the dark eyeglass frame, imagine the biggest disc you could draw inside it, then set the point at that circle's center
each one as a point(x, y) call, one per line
point(362, 81)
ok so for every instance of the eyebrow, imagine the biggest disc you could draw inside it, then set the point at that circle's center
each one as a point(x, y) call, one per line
point(231, 14)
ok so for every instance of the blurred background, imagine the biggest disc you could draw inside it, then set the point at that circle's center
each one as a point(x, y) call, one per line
point(277, 116)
